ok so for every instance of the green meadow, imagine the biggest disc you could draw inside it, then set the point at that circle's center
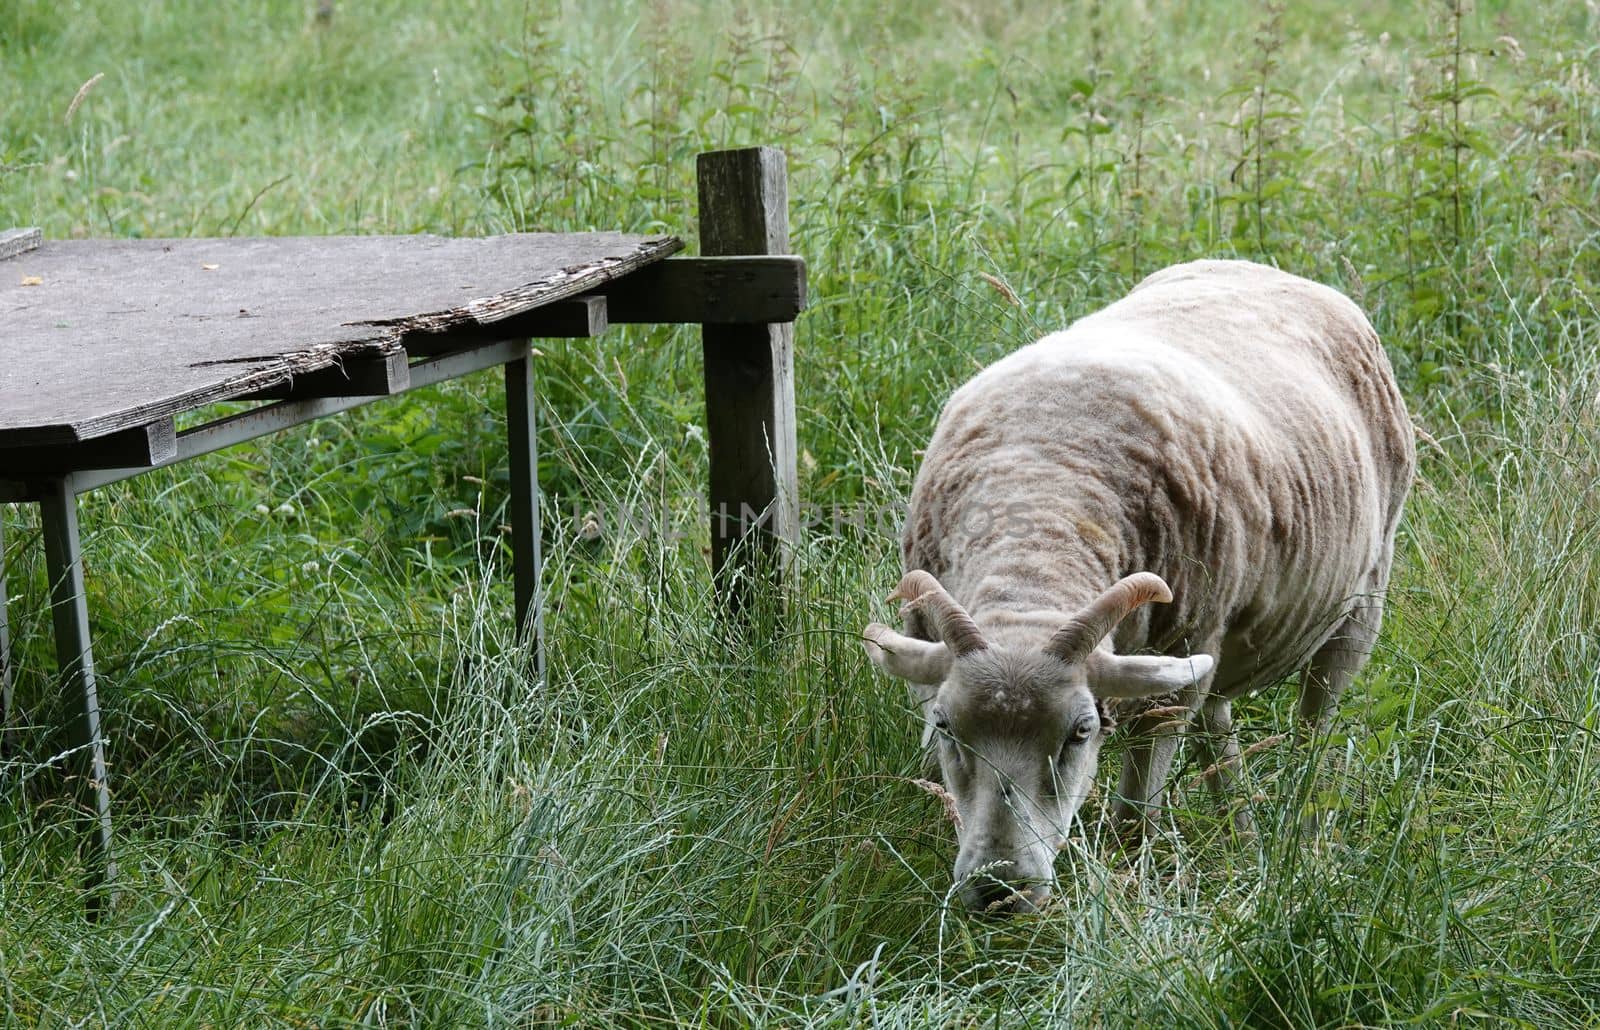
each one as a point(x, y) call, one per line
point(340, 799)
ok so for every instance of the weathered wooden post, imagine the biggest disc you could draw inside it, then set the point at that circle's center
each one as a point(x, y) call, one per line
point(749, 376)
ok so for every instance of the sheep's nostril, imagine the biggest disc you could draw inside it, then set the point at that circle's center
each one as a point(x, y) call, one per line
point(986, 895)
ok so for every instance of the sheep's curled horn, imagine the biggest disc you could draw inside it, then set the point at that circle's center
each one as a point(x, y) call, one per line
point(1084, 631)
point(956, 627)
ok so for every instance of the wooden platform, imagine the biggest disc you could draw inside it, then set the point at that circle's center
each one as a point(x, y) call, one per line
point(98, 336)
point(103, 343)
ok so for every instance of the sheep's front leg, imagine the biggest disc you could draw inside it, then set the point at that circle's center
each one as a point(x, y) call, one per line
point(1217, 751)
point(1153, 739)
point(1145, 765)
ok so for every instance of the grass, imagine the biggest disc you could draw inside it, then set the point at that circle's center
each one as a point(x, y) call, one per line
point(340, 800)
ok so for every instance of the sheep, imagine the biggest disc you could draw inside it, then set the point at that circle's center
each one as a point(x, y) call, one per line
point(1228, 440)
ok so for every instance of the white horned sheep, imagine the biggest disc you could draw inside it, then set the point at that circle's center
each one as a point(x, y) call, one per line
point(1228, 438)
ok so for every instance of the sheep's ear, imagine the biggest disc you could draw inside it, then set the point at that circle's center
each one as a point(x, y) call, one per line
point(1113, 675)
point(906, 657)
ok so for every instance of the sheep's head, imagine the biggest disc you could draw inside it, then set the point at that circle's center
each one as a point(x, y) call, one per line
point(1018, 733)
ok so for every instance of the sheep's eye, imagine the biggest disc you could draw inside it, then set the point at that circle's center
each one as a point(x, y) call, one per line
point(949, 747)
point(1081, 731)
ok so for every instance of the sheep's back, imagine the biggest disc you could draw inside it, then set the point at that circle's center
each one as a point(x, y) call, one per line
point(1233, 428)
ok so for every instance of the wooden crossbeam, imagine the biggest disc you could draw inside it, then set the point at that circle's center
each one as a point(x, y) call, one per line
point(745, 289)
point(140, 447)
point(577, 318)
point(354, 377)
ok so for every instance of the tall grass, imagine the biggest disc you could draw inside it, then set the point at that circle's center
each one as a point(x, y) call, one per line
point(340, 798)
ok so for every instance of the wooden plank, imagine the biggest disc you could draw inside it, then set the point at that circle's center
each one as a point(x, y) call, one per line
point(18, 241)
point(749, 381)
point(577, 318)
point(711, 289)
point(118, 333)
point(139, 447)
point(354, 377)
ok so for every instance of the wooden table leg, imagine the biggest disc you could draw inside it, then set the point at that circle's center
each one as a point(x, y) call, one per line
point(58, 508)
point(524, 454)
point(7, 705)
point(749, 376)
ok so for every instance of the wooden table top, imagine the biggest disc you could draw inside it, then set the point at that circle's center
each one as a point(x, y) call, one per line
point(102, 335)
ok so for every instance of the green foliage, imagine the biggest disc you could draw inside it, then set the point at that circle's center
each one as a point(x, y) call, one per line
point(341, 800)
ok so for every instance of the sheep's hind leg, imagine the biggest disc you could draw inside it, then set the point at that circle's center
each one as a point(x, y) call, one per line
point(1335, 664)
point(1330, 671)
